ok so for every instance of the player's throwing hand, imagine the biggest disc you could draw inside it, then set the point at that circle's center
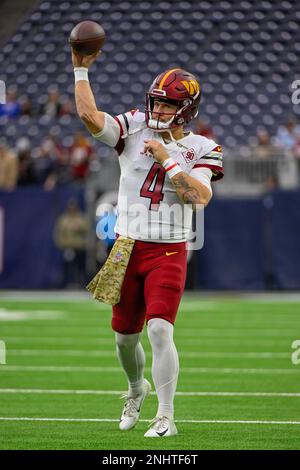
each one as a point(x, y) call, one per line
point(84, 61)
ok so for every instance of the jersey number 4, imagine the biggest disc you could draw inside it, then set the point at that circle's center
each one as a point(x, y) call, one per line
point(153, 185)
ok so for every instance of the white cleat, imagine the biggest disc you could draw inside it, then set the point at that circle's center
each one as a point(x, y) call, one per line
point(131, 411)
point(161, 426)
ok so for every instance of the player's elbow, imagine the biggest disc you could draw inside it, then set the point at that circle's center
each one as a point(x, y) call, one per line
point(85, 116)
point(205, 196)
point(202, 201)
point(89, 121)
point(93, 120)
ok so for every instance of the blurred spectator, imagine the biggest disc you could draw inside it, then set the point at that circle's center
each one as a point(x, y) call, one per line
point(45, 165)
point(264, 148)
point(271, 183)
point(26, 106)
point(25, 162)
point(296, 148)
point(201, 127)
point(67, 107)
point(61, 155)
point(8, 168)
point(11, 108)
point(57, 147)
point(296, 153)
point(288, 134)
point(80, 155)
point(70, 235)
point(52, 108)
point(63, 173)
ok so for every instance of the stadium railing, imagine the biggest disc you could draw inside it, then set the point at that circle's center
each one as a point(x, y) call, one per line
point(254, 176)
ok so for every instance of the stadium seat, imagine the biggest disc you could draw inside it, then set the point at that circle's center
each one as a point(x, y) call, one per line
point(221, 43)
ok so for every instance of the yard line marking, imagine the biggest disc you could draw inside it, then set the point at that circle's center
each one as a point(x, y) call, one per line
point(238, 355)
point(104, 420)
point(13, 315)
point(98, 340)
point(238, 394)
point(192, 370)
point(76, 296)
point(98, 331)
point(63, 352)
point(119, 392)
point(59, 369)
point(56, 340)
point(232, 370)
point(189, 297)
point(47, 296)
point(271, 297)
point(233, 332)
point(192, 306)
point(191, 354)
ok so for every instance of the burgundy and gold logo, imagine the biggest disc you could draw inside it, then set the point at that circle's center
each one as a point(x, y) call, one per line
point(192, 86)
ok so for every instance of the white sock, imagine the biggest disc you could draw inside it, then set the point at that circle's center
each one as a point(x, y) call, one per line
point(165, 364)
point(132, 358)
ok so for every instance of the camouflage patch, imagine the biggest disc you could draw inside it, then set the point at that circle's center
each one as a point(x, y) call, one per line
point(106, 285)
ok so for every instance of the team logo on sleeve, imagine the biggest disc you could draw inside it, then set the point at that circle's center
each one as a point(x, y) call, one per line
point(189, 155)
point(218, 149)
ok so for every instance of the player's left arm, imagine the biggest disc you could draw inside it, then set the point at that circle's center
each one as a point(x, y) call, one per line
point(188, 188)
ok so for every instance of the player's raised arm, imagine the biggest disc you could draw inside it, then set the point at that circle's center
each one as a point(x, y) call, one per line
point(85, 102)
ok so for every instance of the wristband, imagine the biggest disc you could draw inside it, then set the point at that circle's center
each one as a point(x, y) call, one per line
point(172, 168)
point(81, 73)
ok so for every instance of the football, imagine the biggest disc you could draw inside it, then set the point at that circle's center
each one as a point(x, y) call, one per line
point(87, 37)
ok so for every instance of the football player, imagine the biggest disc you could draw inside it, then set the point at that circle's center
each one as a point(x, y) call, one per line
point(161, 166)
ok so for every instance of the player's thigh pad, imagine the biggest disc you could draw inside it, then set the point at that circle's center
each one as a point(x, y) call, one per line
point(129, 314)
point(164, 287)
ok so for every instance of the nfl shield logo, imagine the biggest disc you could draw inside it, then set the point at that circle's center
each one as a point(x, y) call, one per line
point(189, 155)
point(118, 257)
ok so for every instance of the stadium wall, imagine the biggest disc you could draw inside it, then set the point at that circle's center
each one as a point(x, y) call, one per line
point(30, 258)
point(12, 15)
point(250, 244)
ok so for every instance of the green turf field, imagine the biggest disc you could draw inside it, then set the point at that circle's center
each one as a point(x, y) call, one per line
point(238, 388)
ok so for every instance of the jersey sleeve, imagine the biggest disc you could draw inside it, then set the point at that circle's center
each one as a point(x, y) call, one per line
point(203, 175)
point(212, 159)
point(124, 121)
point(115, 130)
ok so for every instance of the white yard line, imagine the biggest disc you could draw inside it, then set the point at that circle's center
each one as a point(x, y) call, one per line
point(98, 331)
point(104, 420)
point(100, 353)
point(191, 370)
point(41, 391)
point(46, 296)
point(189, 297)
point(65, 340)
point(22, 315)
point(198, 341)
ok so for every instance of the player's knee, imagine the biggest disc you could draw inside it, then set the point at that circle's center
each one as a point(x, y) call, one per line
point(126, 341)
point(160, 332)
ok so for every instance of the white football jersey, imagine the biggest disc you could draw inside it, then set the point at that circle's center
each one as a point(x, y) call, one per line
point(149, 208)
